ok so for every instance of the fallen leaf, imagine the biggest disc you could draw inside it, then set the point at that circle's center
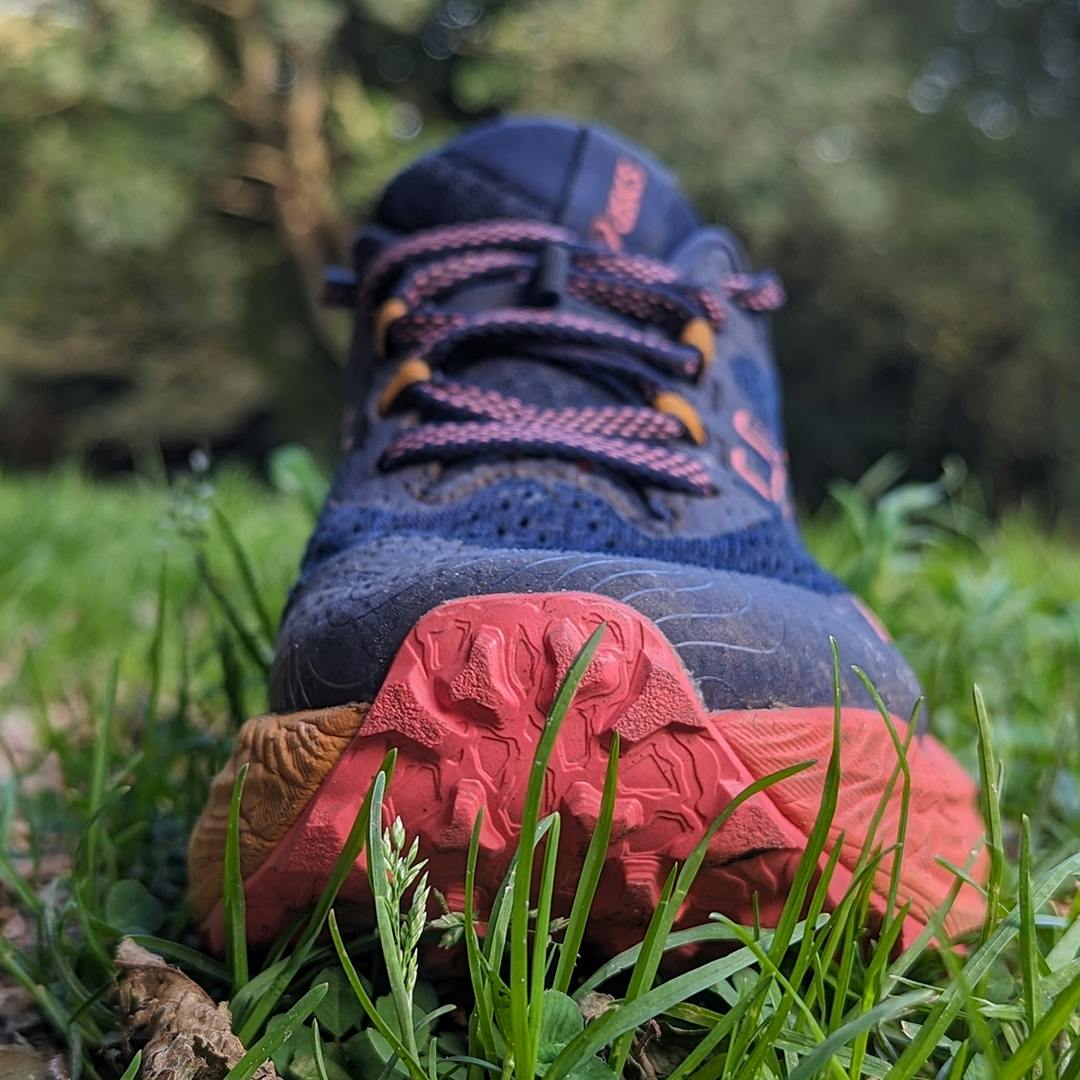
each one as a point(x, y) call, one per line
point(594, 1004)
point(183, 1033)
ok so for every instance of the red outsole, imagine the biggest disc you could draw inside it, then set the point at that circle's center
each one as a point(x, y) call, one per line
point(464, 703)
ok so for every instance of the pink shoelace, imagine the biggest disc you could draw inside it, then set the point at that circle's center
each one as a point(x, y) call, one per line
point(671, 342)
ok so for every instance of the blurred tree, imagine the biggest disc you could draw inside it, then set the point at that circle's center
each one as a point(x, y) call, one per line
point(176, 173)
point(172, 181)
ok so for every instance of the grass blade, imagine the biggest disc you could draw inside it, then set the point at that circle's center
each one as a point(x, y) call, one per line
point(484, 1007)
point(990, 798)
point(316, 1051)
point(624, 961)
point(386, 917)
point(155, 659)
point(591, 870)
point(271, 1042)
point(247, 574)
point(973, 1007)
point(900, 747)
point(258, 651)
point(808, 868)
point(133, 1067)
point(499, 919)
point(14, 963)
point(542, 928)
point(372, 1013)
point(978, 965)
point(99, 777)
point(184, 955)
point(603, 1031)
point(891, 1009)
point(648, 961)
point(660, 927)
point(1056, 1020)
point(232, 891)
point(522, 1012)
point(1029, 947)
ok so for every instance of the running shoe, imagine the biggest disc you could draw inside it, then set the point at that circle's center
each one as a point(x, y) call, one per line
point(562, 410)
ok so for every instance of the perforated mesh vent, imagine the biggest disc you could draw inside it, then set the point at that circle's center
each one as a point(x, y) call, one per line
point(524, 515)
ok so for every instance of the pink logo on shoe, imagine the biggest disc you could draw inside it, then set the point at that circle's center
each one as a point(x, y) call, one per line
point(623, 205)
point(774, 486)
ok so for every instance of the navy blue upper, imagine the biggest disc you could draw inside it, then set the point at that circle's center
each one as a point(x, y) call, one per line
point(726, 577)
point(543, 169)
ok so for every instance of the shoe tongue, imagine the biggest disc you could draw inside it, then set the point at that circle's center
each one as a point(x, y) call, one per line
point(609, 192)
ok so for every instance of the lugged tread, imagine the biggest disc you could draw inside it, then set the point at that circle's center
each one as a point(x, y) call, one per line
point(464, 702)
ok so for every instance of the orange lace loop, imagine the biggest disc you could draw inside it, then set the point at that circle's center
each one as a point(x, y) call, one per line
point(413, 370)
point(676, 405)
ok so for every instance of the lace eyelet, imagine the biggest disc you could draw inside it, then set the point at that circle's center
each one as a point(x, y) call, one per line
point(413, 370)
point(388, 313)
point(676, 405)
point(699, 334)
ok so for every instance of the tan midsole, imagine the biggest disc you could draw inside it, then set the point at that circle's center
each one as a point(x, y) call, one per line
point(289, 756)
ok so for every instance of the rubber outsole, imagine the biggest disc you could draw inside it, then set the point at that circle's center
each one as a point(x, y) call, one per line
point(464, 703)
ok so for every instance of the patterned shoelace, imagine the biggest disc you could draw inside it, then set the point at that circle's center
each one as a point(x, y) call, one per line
point(401, 292)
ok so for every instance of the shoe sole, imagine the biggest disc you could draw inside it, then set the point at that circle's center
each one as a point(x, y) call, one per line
point(464, 703)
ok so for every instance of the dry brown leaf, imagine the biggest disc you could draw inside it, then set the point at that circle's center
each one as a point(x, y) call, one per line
point(659, 1049)
point(183, 1033)
point(594, 1004)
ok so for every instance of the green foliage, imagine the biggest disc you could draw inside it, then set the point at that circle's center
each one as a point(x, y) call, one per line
point(339, 1012)
point(131, 908)
point(967, 602)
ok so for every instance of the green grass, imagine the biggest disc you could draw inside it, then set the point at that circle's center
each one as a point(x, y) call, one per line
point(135, 622)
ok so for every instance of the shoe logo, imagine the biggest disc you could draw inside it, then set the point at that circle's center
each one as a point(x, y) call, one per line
point(623, 205)
point(756, 436)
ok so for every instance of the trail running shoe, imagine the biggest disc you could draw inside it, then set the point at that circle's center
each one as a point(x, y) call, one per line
point(562, 410)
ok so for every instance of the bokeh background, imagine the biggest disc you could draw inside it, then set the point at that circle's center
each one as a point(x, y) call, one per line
point(174, 175)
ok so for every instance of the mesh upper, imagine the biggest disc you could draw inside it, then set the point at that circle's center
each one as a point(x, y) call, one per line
point(526, 514)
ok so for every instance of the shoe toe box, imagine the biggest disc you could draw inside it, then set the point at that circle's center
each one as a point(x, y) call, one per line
point(747, 641)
